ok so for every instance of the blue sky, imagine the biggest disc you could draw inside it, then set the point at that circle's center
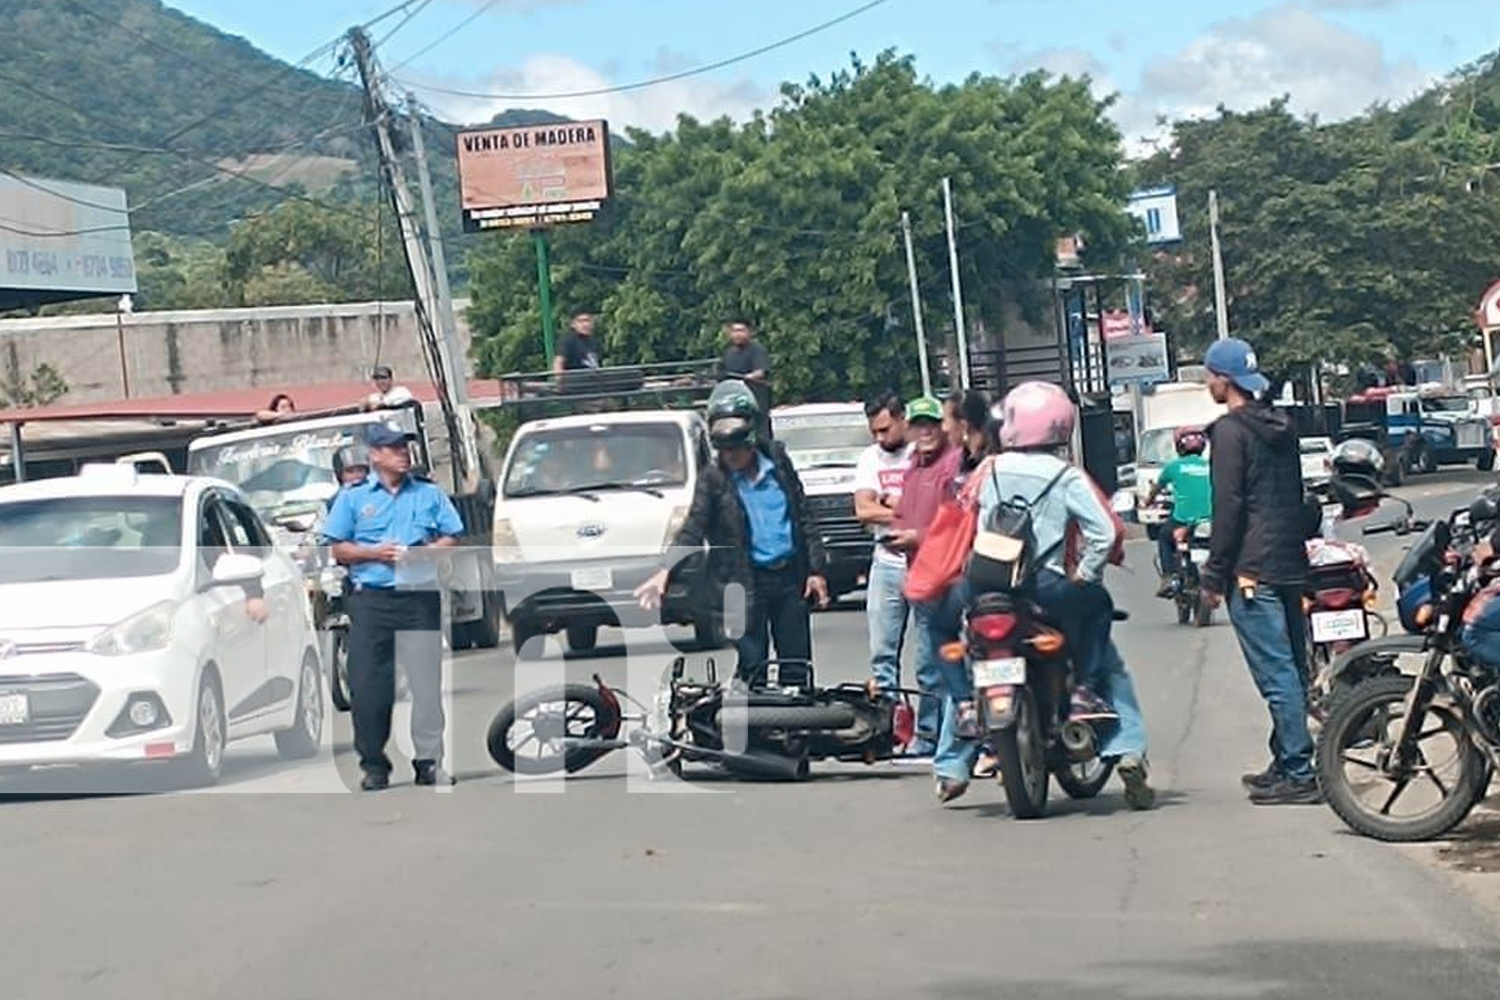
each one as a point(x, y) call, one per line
point(1334, 57)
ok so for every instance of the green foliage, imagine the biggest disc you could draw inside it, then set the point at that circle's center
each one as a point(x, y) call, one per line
point(792, 220)
point(300, 252)
point(1349, 242)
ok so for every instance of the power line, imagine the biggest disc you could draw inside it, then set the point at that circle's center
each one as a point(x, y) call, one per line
point(655, 81)
point(461, 25)
point(404, 22)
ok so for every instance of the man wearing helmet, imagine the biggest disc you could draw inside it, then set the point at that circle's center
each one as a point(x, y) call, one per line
point(1192, 498)
point(749, 506)
point(351, 466)
point(1076, 537)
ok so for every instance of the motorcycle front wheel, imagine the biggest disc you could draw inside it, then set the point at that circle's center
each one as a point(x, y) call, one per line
point(526, 735)
point(1377, 795)
point(1021, 749)
point(1084, 780)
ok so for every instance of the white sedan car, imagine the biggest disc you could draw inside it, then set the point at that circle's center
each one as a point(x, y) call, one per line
point(126, 632)
point(1317, 459)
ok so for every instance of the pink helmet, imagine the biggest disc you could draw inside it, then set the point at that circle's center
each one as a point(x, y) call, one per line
point(1037, 415)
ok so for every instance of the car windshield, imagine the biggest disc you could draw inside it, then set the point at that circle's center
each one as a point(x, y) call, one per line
point(286, 469)
point(598, 457)
point(1316, 446)
point(89, 538)
point(824, 440)
point(1447, 404)
point(1157, 447)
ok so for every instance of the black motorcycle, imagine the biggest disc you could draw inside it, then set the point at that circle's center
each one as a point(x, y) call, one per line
point(1426, 743)
point(772, 726)
point(1187, 580)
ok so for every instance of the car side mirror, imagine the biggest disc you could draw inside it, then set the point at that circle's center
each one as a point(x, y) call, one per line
point(300, 523)
point(233, 570)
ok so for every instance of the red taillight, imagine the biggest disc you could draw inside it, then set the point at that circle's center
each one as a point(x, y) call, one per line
point(993, 627)
point(1338, 600)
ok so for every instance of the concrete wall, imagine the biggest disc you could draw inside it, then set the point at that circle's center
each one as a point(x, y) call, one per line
point(177, 353)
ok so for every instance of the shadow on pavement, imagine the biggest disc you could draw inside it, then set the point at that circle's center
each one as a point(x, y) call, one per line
point(1108, 803)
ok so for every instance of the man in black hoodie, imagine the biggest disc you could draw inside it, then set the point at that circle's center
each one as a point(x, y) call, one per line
point(1258, 560)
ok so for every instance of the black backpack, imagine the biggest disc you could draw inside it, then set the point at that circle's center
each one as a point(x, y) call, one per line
point(1005, 551)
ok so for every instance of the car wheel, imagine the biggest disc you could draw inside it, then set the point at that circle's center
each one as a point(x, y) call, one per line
point(306, 735)
point(205, 764)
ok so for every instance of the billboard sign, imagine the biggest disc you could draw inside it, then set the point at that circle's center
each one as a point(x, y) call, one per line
point(1116, 324)
point(60, 240)
point(1157, 209)
point(533, 175)
point(1138, 359)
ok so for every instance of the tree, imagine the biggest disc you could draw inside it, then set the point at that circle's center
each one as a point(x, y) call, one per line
point(792, 220)
point(301, 252)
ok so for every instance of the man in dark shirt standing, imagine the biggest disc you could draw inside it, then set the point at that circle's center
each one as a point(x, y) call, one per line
point(1258, 561)
point(746, 360)
point(578, 349)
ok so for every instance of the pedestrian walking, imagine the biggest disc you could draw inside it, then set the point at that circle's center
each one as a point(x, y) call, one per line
point(390, 531)
point(750, 508)
point(1258, 561)
point(877, 490)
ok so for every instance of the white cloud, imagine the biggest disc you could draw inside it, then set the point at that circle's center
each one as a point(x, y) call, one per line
point(654, 108)
point(1243, 62)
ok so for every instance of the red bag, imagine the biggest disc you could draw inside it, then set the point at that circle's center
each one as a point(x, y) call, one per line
point(944, 551)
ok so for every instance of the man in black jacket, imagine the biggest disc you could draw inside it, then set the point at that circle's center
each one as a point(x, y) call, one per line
point(749, 506)
point(1258, 559)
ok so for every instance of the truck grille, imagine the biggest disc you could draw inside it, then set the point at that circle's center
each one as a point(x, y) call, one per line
point(834, 516)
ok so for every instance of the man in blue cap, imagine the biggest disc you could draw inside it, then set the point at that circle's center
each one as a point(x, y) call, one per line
point(390, 530)
point(1258, 561)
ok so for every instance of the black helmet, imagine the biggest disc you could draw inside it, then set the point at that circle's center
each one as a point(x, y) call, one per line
point(1358, 468)
point(350, 456)
point(733, 415)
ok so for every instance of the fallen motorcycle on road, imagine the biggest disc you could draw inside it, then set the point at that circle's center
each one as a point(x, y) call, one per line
point(774, 726)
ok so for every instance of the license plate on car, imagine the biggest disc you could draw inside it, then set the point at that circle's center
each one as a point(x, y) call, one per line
point(1339, 626)
point(593, 579)
point(990, 673)
point(15, 708)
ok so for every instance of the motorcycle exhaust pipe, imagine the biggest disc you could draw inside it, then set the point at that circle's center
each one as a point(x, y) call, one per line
point(1079, 741)
point(762, 765)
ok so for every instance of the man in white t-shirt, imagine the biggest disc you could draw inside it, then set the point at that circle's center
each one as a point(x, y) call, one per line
point(877, 487)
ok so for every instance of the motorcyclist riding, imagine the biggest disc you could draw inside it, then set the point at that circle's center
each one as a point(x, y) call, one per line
point(1076, 538)
point(750, 507)
point(1358, 468)
point(1191, 483)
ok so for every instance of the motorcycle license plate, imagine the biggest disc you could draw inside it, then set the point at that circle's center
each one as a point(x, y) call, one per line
point(992, 673)
point(1339, 626)
point(1200, 556)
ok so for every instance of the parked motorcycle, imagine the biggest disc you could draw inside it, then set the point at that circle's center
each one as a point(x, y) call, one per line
point(773, 726)
point(1386, 739)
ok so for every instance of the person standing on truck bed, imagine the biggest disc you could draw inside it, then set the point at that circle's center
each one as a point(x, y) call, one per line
point(877, 490)
point(745, 359)
point(750, 508)
point(386, 393)
point(578, 350)
point(389, 530)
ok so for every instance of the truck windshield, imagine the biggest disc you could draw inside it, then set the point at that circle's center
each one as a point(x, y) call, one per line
point(281, 468)
point(823, 441)
point(89, 538)
point(1447, 404)
point(598, 457)
point(1157, 447)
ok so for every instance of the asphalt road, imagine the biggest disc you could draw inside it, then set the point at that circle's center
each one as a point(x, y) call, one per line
point(855, 884)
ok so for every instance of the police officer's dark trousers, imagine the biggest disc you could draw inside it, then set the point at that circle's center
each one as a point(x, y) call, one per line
point(778, 611)
point(385, 624)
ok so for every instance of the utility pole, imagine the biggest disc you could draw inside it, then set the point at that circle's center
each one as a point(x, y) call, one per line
point(916, 305)
point(447, 371)
point(1221, 305)
point(958, 299)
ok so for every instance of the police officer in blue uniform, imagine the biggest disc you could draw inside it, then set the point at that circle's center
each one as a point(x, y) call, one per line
point(390, 531)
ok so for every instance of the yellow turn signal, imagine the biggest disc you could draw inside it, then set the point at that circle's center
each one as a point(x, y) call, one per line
point(953, 652)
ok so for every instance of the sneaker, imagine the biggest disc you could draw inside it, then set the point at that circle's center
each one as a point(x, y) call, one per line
point(947, 790)
point(1086, 703)
point(1286, 792)
point(1164, 589)
point(1264, 779)
point(429, 774)
point(1138, 791)
point(987, 765)
point(375, 781)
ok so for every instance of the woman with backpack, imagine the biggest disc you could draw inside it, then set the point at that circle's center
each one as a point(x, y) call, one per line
point(1075, 535)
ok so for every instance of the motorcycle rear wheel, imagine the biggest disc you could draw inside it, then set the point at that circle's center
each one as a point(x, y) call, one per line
point(1084, 780)
point(1022, 751)
point(1358, 735)
point(576, 700)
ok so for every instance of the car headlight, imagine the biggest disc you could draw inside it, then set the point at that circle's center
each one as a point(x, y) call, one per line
point(674, 525)
point(505, 545)
point(143, 632)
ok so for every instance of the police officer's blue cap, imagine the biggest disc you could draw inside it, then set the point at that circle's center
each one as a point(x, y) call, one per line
point(385, 435)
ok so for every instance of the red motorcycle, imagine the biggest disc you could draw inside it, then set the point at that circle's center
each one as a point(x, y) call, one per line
point(1339, 606)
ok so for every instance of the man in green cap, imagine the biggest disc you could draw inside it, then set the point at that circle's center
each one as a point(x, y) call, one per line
point(931, 479)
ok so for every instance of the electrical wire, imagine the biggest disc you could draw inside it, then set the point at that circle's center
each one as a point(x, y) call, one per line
point(404, 22)
point(461, 25)
point(654, 81)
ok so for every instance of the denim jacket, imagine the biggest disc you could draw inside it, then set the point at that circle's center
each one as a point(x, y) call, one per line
point(1073, 501)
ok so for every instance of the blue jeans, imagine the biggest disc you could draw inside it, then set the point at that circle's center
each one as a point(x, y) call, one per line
point(942, 621)
point(886, 614)
point(1273, 638)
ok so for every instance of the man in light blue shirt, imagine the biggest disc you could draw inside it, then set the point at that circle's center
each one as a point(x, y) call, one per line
point(390, 530)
